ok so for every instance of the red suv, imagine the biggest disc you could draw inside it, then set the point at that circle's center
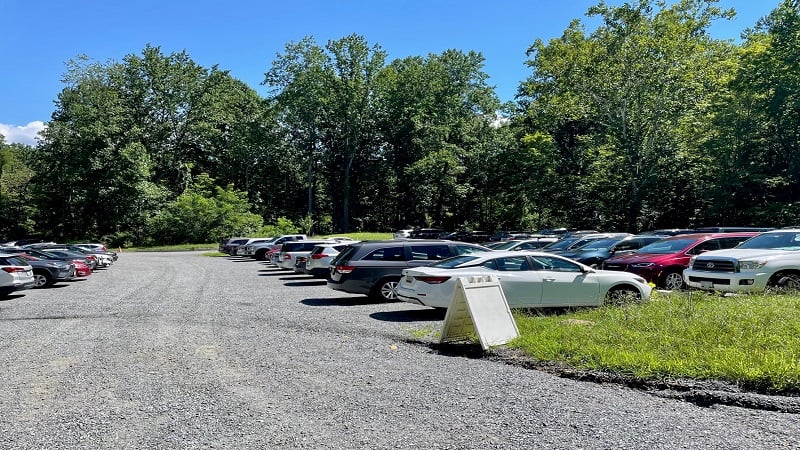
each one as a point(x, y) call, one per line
point(662, 262)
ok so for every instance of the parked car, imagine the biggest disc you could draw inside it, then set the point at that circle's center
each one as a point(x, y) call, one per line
point(104, 259)
point(524, 244)
point(48, 272)
point(402, 234)
point(374, 268)
point(88, 260)
point(595, 252)
point(769, 260)
point(319, 260)
point(571, 243)
point(427, 233)
point(290, 251)
point(529, 280)
point(259, 250)
point(224, 242)
point(230, 246)
point(476, 237)
point(15, 274)
point(663, 262)
point(241, 249)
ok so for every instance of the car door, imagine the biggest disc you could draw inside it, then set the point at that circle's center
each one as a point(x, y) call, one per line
point(522, 286)
point(564, 283)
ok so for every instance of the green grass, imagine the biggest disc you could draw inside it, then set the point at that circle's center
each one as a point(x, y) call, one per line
point(361, 236)
point(753, 341)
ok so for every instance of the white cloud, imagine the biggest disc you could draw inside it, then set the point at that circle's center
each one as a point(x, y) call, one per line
point(22, 134)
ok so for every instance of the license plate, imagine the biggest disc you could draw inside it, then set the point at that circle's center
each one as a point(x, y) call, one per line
point(706, 284)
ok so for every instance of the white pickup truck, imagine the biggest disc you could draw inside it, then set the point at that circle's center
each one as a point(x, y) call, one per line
point(769, 260)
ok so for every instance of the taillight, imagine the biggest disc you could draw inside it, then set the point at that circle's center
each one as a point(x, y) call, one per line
point(91, 257)
point(344, 269)
point(432, 279)
point(301, 259)
point(319, 256)
point(14, 269)
point(287, 257)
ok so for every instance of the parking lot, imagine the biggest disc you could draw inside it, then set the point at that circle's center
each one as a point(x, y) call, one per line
point(182, 350)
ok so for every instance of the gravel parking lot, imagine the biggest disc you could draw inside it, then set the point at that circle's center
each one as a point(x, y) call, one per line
point(181, 350)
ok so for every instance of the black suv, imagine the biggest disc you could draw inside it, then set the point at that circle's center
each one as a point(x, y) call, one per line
point(374, 267)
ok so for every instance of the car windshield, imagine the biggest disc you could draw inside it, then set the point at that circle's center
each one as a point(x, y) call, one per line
point(454, 261)
point(789, 240)
point(600, 244)
point(667, 246)
point(560, 245)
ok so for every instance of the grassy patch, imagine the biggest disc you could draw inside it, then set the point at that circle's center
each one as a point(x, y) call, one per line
point(215, 254)
point(753, 341)
point(362, 236)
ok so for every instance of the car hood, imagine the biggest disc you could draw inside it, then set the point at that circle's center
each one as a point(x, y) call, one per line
point(639, 258)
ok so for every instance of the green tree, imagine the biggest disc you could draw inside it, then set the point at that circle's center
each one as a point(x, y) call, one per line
point(756, 175)
point(622, 106)
point(17, 209)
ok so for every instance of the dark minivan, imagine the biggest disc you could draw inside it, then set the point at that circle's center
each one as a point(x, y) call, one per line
point(374, 268)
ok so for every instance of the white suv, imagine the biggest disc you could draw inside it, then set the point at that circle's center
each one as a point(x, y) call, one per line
point(15, 274)
point(769, 260)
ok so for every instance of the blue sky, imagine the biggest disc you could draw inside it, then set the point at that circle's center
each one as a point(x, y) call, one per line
point(245, 36)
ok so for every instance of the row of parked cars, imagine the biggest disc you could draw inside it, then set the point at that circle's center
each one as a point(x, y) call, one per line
point(578, 269)
point(42, 264)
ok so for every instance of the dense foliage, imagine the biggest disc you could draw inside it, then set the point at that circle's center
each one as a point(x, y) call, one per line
point(644, 122)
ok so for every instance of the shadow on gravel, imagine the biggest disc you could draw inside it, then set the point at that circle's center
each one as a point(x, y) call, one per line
point(275, 273)
point(11, 297)
point(240, 260)
point(55, 286)
point(410, 315)
point(305, 283)
point(340, 301)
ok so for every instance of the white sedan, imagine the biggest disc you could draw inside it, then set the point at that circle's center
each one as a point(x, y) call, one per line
point(529, 280)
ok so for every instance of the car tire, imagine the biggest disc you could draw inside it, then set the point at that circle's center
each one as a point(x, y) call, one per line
point(622, 295)
point(260, 256)
point(784, 282)
point(42, 279)
point(386, 290)
point(673, 280)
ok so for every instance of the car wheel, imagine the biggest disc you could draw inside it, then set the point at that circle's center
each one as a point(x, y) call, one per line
point(260, 256)
point(784, 282)
point(673, 281)
point(386, 290)
point(622, 295)
point(42, 279)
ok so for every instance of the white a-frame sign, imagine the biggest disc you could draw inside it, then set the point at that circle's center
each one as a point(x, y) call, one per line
point(479, 307)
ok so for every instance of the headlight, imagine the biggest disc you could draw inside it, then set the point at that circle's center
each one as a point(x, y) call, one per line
point(751, 265)
point(643, 265)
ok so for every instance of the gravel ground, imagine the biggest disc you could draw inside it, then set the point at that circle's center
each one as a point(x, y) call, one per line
point(181, 350)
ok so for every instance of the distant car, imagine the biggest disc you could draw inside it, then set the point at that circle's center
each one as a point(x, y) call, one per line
point(259, 250)
point(48, 272)
point(595, 252)
point(571, 243)
point(524, 244)
point(320, 259)
point(15, 274)
point(374, 268)
point(529, 280)
point(427, 233)
point(290, 251)
point(663, 262)
point(402, 234)
point(88, 260)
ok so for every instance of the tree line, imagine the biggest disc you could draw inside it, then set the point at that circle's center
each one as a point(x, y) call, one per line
point(644, 122)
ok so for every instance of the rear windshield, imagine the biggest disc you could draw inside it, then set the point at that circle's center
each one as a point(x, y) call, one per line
point(788, 240)
point(13, 261)
point(345, 255)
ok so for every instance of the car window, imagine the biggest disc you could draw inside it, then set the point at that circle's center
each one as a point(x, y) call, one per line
point(386, 254)
point(731, 242)
point(512, 264)
point(429, 252)
point(554, 264)
point(667, 246)
point(711, 244)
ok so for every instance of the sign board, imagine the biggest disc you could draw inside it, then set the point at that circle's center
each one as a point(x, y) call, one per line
point(479, 307)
